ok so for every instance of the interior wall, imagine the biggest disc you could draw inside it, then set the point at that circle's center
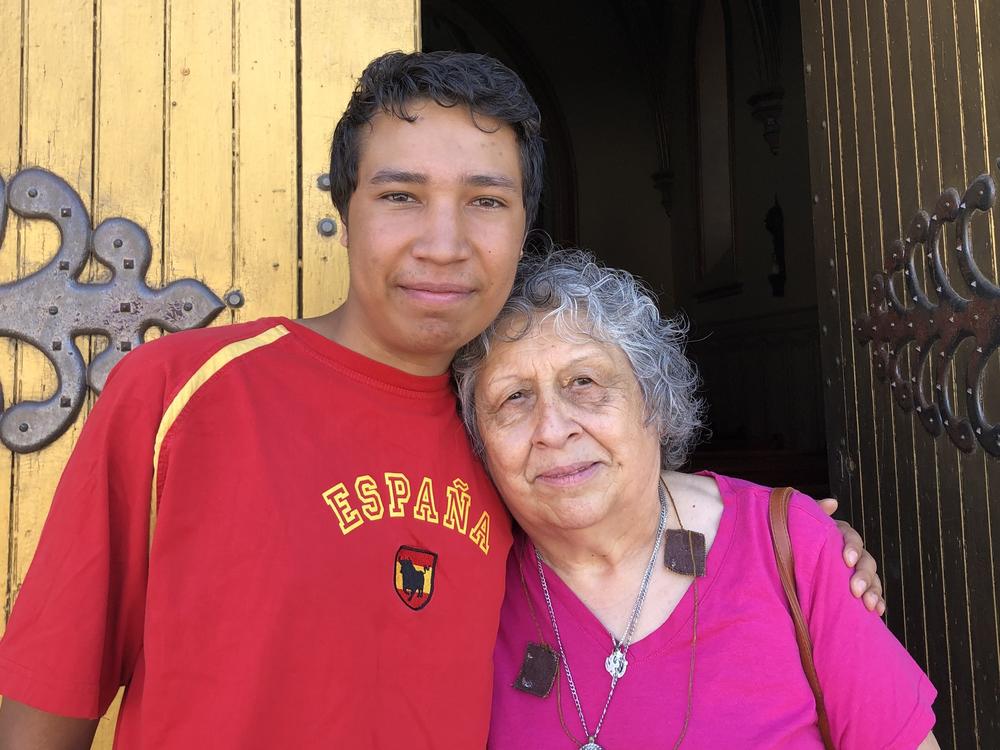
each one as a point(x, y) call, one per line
point(758, 176)
point(758, 352)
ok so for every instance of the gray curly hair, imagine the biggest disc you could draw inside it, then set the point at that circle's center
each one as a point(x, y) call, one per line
point(612, 306)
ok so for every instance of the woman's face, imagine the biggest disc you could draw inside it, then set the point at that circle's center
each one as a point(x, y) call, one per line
point(563, 425)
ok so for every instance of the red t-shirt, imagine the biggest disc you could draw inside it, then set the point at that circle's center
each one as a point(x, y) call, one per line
point(327, 562)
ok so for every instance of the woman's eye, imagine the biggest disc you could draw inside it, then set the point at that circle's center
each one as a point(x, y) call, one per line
point(582, 381)
point(511, 399)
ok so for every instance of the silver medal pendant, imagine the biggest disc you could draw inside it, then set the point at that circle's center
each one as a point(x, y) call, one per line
point(616, 664)
point(591, 745)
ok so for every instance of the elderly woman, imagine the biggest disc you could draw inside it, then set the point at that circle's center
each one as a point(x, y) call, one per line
point(582, 402)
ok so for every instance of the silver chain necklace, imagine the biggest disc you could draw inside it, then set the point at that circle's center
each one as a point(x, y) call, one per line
point(616, 663)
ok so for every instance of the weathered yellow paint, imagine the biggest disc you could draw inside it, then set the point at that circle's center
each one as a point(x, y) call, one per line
point(265, 267)
point(128, 137)
point(57, 86)
point(206, 123)
point(128, 157)
point(10, 114)
point(199, 143)
point(338, 40)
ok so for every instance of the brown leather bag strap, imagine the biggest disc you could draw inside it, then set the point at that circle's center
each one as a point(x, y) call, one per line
point(778, 515)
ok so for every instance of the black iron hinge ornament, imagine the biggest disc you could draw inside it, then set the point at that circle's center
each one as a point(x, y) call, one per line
point(894, 322)
point(49, 308)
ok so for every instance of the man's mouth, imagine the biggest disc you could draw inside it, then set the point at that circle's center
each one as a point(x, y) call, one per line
point(434, 293)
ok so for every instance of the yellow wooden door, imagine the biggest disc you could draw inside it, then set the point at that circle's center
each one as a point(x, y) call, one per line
point(207, 123)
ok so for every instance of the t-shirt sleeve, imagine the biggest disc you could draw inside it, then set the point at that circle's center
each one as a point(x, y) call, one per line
point(875, 694)
point(76, 628)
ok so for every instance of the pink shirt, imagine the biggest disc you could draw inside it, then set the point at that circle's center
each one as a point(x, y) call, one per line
point(749, 687)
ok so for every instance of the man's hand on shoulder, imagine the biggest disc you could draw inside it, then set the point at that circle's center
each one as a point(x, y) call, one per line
point(25, 728)
point(865, 583)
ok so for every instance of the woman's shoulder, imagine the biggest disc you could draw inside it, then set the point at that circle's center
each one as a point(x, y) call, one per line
point(697, 487)
point(808, 525)
point(698, 497)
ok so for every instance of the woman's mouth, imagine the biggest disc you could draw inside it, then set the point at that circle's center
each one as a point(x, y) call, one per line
point(568, 474)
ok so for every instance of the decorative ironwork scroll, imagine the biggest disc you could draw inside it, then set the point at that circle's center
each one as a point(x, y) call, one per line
point(894, 321)
point(49, 308)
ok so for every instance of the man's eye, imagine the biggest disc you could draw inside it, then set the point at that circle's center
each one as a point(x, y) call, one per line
point(488, 203)
point(582, 380)
point(515, 396)
point(397, 197)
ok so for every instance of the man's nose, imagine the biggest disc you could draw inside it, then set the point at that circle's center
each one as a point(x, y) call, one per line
point(444, 236)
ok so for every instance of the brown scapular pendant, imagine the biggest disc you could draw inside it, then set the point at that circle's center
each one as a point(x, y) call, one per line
point(684, 552)
point(538, 670)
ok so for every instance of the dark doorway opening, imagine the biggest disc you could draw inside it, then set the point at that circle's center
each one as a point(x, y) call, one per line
point(676, 141)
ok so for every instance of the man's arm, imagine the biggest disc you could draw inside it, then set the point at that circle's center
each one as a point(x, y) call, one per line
point(865, 583)
point(25, 728)
point(75, 632)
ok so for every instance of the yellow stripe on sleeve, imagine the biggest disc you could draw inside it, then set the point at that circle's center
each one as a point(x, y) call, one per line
point(212, 365)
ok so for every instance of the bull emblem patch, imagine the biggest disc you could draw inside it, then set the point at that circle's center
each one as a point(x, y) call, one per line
point(413, 575)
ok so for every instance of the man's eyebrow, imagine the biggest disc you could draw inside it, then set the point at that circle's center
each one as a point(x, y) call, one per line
point(490, 180)
point(384, 176)
point(389, 176)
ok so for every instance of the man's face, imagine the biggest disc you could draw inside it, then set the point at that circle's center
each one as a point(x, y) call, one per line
point(434, 233)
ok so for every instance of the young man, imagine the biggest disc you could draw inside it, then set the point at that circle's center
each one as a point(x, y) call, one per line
point(327, 559)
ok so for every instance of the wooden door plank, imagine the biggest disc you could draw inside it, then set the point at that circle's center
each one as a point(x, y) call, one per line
point(11, 79)
point(943, 669)
point(881, 226)
point(988, 61)
point(951, 158)
point(199, 196)
point(818, 79)
point(337, 41)
point(977, 518)
point(128, 147)
point(56, 132)
point(900, 193)
point(824, 153)
point(266, 179)
point(852, 245)
point(902, 559)
point(870, 123)
point(128, 132)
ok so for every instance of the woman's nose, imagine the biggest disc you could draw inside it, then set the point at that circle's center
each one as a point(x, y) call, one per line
point(555, 423)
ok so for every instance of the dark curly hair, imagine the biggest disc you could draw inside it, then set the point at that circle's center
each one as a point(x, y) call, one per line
point(394, 80)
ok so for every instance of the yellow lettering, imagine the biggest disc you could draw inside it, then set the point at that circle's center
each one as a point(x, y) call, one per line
point(366, 489)
point(348, 517)
point(423, 509)
point(457, 514)
point(480, 533)
point(399, 493)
